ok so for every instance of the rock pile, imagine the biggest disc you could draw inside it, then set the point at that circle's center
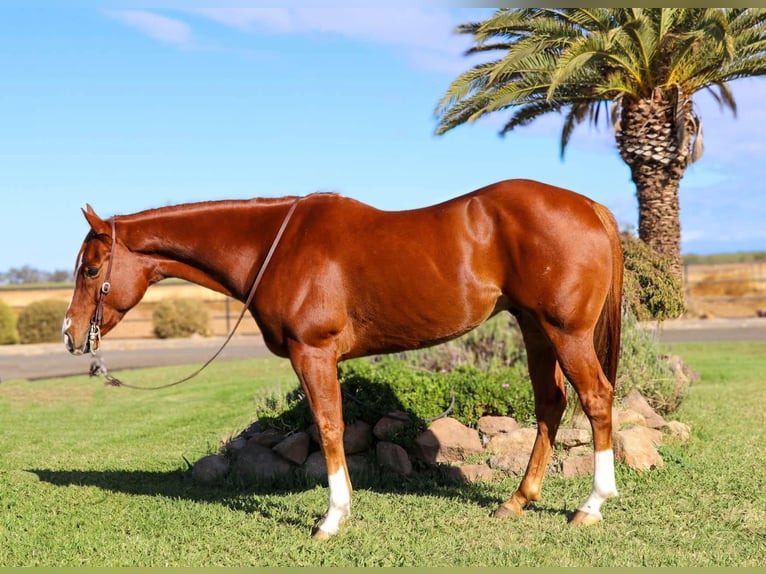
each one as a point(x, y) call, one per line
point(500, 445)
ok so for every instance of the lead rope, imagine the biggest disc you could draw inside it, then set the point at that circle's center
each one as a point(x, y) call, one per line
point(98, 366)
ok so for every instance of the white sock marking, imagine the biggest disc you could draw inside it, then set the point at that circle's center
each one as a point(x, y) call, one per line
point(340, 502)
point(604, 485)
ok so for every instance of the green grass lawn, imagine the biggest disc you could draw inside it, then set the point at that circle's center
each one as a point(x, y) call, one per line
point(97, 476)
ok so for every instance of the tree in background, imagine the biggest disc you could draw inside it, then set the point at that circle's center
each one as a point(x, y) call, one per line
point(27, 275)
point(648, 63)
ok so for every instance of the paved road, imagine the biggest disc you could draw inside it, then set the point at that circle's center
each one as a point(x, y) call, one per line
point(51, 359)
point(711, 330)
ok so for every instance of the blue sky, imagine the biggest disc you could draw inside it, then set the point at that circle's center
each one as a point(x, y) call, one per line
point(131, 105)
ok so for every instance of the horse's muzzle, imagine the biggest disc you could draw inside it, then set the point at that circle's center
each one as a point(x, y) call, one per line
point(69, 344)
point(90, 344)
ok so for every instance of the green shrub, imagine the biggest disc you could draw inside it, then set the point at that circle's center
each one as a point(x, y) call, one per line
point(486, 373)
point(180, 317)
point(495, 345)
point(651, 290)
point(644, 368)
point(372, 389)
point(471, 391)
point(8, 333)
point(40, 322)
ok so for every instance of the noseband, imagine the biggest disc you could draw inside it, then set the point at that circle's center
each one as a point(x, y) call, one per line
point(94, 332)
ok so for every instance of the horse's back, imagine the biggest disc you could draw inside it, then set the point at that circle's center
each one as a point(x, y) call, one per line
point(402, 279)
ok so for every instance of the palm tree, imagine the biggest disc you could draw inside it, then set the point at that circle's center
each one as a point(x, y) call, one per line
point(646, 62)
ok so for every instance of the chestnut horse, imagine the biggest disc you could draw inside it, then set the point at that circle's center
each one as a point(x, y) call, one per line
point(347, 280)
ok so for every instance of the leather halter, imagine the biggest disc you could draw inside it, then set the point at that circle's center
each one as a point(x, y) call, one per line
point(94, 333)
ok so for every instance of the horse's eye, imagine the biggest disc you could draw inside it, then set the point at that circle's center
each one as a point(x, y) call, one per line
point(91, 272)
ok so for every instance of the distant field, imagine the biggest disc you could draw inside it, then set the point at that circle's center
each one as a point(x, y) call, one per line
point(726, 289)
point(740, 257)
point(138, 323)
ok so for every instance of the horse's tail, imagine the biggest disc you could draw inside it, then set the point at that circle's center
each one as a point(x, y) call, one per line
point(606, 337)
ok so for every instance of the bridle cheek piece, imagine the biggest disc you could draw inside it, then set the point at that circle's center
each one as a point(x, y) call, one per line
point(94, 332)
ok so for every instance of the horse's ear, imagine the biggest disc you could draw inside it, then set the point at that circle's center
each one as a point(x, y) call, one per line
point(98, 225)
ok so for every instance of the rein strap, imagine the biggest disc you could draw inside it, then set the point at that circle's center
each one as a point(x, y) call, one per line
point(97, 367)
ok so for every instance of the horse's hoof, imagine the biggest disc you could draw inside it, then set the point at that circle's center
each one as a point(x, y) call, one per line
point(509, 509)
point(582, 518)
point(322, 535)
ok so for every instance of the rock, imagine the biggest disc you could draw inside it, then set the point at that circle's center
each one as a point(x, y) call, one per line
point(629, 417)
point(313, 432)
point(315, 467)
point(257, 463)
point(575, 466)
point(684, 374)
point(491, 426)
point(236, 444)
point(519, 441)
point(635, 401)
point(636, 447)
point(360, 466)
point(679, 430)
point(515, 464)
point(267, 438)
point(210, 469)
point(391, 424)
point(570, 438)
point(393, 457)
point(446, 441)
point(471, 473)
point(253, 429)
point(294, 448)
point(580, 421)
point(580, 450)
point(357, 437)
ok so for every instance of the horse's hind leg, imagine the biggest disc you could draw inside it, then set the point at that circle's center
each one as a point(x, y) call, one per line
point(581, 366)
point(550, 402)
point(317, 372)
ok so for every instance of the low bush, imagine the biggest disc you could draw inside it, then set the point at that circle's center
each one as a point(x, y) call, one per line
point(651, 291)
point(40, 322)
point(174, 318)
point(372, 389)
point(644, 368)
point(8, 333)
point(493, 346)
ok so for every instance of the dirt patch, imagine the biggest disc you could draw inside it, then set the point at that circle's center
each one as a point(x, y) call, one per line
point(726, 289)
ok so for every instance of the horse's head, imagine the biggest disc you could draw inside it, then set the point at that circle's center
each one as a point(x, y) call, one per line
point(109, 281)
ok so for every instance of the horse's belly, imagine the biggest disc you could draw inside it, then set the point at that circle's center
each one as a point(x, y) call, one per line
point(406, 326)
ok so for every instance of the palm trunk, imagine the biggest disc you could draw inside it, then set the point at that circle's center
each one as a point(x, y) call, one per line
point(659, 223)
point(657, 149)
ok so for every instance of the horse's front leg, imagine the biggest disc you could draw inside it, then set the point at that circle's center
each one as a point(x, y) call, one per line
point(317, 371)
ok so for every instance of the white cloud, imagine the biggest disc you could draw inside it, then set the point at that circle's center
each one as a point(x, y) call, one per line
point(161, 28)
point(424, 34)
point(250, 19)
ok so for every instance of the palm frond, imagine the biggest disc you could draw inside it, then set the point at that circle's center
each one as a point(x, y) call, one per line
point(578, 59)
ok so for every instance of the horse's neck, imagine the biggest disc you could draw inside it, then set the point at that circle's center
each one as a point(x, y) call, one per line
point(219, 245)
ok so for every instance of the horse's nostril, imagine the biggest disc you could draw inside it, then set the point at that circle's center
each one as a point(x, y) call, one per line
point(69, 344)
